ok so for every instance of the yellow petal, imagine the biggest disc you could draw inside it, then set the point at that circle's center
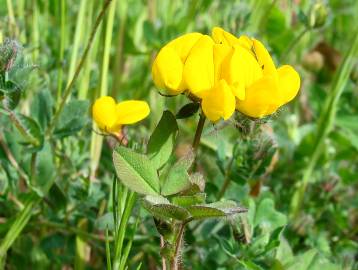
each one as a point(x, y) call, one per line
point(264, 58)
point(131, 111)
point(220, 36)
point(199, 66)
point(167, 70)
point(289, 83)
point(221, 51)
point(262, 98)
point(218, 102)
point(240, 70)
point(104, 113)
point(183, 44)
point(246, 42)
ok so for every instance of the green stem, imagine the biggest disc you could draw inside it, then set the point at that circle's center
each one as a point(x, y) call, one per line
point(18, 225)
point(174, 264)
point(96, 140)
point(80, 28)
point(198, 132)
point(119, 59)
point(12, 22)
point(226, 181)
point(325, 124)
point(62, 48)
point(85, 78)
point(292, 45)
point(121, 229)
point(67, 228)
point(35, 33)
point(68, 90)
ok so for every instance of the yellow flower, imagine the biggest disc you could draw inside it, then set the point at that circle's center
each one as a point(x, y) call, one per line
point(192, 64)
point(110, 116)
point(259, 87)
point(225, 72)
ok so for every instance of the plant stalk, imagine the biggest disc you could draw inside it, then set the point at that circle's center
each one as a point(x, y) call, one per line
point(198, 132)
point(174, 263)
point(325, 124)
point(68, 89)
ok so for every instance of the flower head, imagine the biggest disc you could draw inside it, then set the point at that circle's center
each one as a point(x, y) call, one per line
point(110, 117)
point(225, 72)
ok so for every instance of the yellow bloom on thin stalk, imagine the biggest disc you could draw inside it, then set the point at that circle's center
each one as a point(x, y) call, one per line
point(111, 116)
point(225, 73)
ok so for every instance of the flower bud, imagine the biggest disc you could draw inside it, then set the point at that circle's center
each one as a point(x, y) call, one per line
point(313, 61)
point(318, 15)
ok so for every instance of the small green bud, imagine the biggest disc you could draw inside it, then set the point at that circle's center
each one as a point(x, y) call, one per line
point(318, 15)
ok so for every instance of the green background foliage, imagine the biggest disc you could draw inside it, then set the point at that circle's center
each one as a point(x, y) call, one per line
point(296, 172)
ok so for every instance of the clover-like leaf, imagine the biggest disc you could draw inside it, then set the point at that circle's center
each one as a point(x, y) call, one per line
point(161, 208)
point(30, 131)
point(177, 178)
point(162, 140)
point(136, 171)
point(215, 210)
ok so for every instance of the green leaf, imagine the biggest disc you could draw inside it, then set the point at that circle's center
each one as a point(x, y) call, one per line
point(41, 108)
point(349, 126)
point(11, 95)
point(45, 171)
point(197, 184)
point(30, 131)
point(274, 240)
point(267, 217)
point(188, 200)
point(303, 261)
point(161, 142)
point(136, 171)
point(105, 221)
point(161, 208)
point(73, 118)
point(177, 179)
point(188, 110)
point(215, 210)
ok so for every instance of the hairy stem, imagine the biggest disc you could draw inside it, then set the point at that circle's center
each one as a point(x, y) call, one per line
point(174, 263)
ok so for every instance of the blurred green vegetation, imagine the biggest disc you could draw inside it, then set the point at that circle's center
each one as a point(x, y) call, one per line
point(296, 171)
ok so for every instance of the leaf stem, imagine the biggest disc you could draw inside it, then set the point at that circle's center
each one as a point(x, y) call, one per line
point(198, 132)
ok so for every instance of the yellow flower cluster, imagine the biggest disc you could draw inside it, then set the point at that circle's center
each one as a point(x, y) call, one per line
point(110, 117)
point(225, 73)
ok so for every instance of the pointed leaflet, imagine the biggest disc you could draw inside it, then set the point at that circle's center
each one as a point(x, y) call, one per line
point(215, 210)
point(161, 142)
point(160, 207)
point(135, 171)
point(177, 178)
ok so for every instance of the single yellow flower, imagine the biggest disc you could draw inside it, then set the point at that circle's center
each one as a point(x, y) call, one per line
point(219, 68)
point(260, 88)
point(110, 117)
